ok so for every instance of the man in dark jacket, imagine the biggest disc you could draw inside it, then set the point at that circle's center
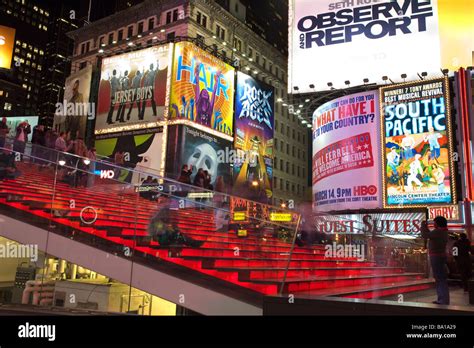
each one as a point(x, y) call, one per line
point(437, 241)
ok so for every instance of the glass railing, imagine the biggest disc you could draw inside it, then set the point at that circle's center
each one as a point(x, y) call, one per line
point(141, 217)
point(147, 219)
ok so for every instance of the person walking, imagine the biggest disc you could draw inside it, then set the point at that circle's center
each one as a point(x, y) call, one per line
point(437, 241)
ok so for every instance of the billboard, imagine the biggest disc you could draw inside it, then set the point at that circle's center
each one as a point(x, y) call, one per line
point(254, 128)
point(202, 88)
point(132, 91)
point(417, 144)
point(346, 154)
point(399, 224)
point(7, 43)
point(332, 41)
point(142, 152)
point(187, 145)
point(14, 121)
point(71, 115)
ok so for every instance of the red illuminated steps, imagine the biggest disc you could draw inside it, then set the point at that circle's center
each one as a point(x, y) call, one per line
point(260, 264)
point(295, 285)
point(373, 291)
point(281, 262)
point(248, 274)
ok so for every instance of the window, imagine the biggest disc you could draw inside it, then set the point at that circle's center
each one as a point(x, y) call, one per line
point(281, 184)
point(282, 128)
point(294, 134)
point(201, 19)
point(151, 23)
point(287, 149)
point(237, 44)
point(168, 17)
point(287, 167)
point(83, 48)
point(111, 38)
point(298, 191)
point(220, 32)
point(287, 185)
point(293, 151)
point(88, 45)
point(250, 52)
point(281, 165)
point(292, 169)
point(299, 153)
point(304, 139)
point(140, 27)
point(130, 31)
point(257, 58)
point(82, 65)
point(292, 187)
point(299, 136)
point(275, 182)
point(120, 35)
point(101, 40)
point(264, 62)
point(299, 171)
point(175, 15)
point(304, 155)
point(276, 163)
point(200, 38)
point(288, 130)
point(170, 36)
point(276, 144)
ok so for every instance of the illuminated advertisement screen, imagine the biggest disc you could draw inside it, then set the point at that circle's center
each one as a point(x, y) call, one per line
point(7, 42)
point(201, 150)
point(417, 135)
point(14, 121)
point(346, 153)
point(72, 114)
point(335, 41)
point(142, 152)
point(132, 91)
point(208, 102)
point(254, 127)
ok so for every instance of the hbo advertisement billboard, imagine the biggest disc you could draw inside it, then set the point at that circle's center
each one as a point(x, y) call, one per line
point(346, 154)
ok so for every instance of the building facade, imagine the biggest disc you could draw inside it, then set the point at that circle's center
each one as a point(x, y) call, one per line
point(154, 21)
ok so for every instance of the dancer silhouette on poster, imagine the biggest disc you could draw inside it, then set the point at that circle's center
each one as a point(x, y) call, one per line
point(114, 87)
point(204, 106)
point(149, 81)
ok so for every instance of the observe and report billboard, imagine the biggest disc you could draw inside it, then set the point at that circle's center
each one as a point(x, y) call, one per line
point(346, 154)
point(417, 144)
point(337, 41)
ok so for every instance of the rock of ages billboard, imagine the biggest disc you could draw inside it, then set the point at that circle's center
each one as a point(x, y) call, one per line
point(346, 154)
point(202, 88)
point(416, 128)
point(254, 127)
point(333, 40)
point(132, 91)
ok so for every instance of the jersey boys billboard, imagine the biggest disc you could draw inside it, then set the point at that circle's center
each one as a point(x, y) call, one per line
point(416, 129)
point(254, 127)
point(202, 88)
point(132, 91)
point(346, 153)
point(332, 41)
